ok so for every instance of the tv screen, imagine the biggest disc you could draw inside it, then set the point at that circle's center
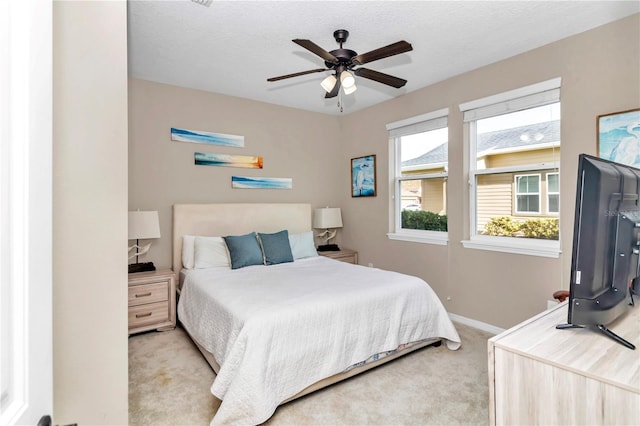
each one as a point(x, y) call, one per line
point(605, 257)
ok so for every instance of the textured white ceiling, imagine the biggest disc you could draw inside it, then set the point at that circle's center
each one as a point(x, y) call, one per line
point(232, 47)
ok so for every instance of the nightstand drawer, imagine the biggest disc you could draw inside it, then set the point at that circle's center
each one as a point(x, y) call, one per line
point(148, 293)
point(151, 313)
point(343, 255)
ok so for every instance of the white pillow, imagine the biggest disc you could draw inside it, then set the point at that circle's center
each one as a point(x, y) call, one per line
point(210, 252)
point(187, 251)
point(302, 245)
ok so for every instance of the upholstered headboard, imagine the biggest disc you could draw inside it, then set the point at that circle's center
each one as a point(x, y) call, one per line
point(235, 219)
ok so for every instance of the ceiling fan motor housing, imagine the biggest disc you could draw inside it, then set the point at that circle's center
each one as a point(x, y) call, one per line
point(344, 57)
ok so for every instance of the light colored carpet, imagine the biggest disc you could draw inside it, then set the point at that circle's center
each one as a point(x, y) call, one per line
point(169, 383)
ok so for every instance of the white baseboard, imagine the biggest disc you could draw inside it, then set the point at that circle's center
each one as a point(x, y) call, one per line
point(476, 324)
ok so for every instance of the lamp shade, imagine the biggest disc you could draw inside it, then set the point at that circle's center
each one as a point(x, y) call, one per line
point(328, 83)
point(143, 225)
point(328, 217)
point(349, 90)
point(347, 79)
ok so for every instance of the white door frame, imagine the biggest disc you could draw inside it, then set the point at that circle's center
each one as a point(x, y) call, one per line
point(26, 359)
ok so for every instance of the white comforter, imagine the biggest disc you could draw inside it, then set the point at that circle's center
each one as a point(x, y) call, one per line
point(276, 329)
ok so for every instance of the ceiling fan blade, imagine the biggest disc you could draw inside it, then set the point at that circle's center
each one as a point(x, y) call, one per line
point(335, 90)
point(314, 48)
point(296, 74)
point(383, 52)
point(380, 77)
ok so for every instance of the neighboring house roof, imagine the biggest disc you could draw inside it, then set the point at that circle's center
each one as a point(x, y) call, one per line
point(438, 154)
point(520, 137)
point(508, 140)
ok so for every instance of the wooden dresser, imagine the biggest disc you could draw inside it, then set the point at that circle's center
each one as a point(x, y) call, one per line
point(343, 255)
point(539, 375)
point(152, 301)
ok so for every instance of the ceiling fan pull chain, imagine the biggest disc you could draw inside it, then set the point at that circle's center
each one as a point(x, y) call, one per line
point(340, 101)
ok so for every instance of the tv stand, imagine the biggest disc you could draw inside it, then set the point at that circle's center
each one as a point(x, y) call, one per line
point(604, 330)
point(544, 376)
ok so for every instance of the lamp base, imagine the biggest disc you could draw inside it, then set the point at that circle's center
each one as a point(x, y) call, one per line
point(329, 247)
point(141, 267)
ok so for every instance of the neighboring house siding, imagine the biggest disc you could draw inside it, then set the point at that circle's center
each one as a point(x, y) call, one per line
point(494, 197)
point(434, 195)
point(537, 156)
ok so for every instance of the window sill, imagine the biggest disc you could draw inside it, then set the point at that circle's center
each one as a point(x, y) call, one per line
point(423, 237)
point(531, 247)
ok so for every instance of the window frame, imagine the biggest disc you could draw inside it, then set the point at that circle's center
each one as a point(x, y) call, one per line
point(528, 97)
point(422, 123)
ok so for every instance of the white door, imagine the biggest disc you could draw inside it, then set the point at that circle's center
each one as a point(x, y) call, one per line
point(25, 211)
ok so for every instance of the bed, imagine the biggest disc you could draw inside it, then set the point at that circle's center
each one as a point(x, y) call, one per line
point(275, 332)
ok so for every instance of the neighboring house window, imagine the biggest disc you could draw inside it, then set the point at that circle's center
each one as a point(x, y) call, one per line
point(419, 167)
point(527, 189)
point(553, 193)
point(514, 147)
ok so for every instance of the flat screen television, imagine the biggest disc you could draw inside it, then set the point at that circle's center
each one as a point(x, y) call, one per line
point(605, 261)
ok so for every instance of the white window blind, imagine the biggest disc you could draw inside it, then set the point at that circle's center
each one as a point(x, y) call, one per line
point(419, 124)
point(538, 94)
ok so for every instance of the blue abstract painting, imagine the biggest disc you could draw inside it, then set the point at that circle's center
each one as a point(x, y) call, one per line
point(261, 182)
point(197, 136)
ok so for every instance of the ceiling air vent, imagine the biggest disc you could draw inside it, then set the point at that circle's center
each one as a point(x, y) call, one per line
point(206, 3)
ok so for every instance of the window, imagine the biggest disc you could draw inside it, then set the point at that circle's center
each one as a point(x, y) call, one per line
point(514, 192)
point(419, 156)
point(527, 194)
point(553, 193)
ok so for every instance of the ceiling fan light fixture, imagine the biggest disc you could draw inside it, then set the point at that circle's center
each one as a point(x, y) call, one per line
point(329, 83)
point(347, 79)
point(349, 90)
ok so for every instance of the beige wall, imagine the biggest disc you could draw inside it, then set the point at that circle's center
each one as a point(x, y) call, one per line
point(600, 74)
point(295, 144)
point(599, 71)
point(90, 213)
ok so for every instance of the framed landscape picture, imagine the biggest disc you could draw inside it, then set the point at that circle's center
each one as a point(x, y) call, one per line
point(619, 137)
point(363, 176)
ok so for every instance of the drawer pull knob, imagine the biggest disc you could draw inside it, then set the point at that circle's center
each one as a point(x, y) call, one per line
point(143, 295)
point(148, 314)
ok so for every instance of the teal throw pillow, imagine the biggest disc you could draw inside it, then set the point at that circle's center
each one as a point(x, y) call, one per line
point(276, 247)
point(244, 250)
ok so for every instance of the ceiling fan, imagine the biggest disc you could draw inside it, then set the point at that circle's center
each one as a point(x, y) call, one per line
point(344, 61)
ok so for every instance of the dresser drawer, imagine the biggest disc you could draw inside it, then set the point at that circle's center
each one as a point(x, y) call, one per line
point(148, 293)
point(151, 313)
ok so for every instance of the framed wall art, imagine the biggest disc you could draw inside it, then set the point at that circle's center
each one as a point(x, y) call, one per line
point(246, 182)
point(199, 136)
point(363, 176)
point(228, 160)
point(619, 137)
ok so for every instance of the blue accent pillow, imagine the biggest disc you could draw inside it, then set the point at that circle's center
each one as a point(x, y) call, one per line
point(276, 247)
point(244, 250)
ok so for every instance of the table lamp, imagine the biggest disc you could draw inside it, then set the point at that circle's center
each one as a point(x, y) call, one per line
point(143, 225)
point(328, 218)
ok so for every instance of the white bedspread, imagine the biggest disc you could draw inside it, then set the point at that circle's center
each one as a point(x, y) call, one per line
point(277, 329)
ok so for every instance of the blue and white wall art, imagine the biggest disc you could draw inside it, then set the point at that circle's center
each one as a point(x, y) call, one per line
point(363, 176)
point(261, 182)
point(197, 136)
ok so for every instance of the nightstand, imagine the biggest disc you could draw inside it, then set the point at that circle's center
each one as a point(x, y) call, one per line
point(344, 255)
point(152, 301)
